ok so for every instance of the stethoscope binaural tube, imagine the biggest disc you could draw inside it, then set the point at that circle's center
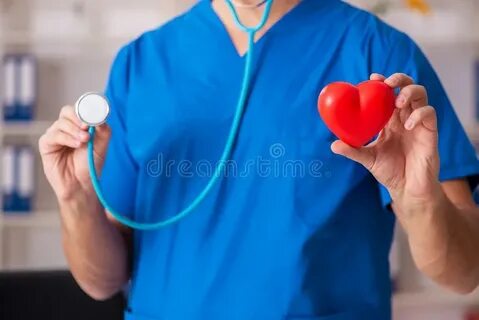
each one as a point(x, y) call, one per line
point(88, 114)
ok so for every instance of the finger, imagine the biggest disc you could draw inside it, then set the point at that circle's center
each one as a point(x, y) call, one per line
point(59, 139)
point(404, 114)
point(377, 76)
point(399, 80)
point(425, 116)
point(67, 126)
point(364, 155)
point(103, 130)
point(68, 112)
point(102, 139)
point(395, 123)
point(414, 96)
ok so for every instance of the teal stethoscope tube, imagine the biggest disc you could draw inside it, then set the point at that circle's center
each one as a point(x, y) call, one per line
point(248, 70)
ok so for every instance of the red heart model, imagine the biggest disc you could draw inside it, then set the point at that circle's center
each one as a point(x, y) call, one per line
point(355, 114)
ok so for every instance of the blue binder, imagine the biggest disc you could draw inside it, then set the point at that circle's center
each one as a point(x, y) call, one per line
point(20, 87)
point(27, 93)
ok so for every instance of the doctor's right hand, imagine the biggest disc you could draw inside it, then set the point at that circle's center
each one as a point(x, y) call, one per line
point(63, 149)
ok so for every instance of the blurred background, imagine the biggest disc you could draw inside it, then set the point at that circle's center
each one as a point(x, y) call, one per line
point(54, 50)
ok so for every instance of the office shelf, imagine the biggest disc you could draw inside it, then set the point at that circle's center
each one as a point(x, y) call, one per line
point(35, 219)
point(24, 128)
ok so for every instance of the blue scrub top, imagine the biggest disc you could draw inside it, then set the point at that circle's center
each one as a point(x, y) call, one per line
point(292, 231)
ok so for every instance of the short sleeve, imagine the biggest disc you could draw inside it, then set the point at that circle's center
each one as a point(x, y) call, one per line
point(458, 157)
point(119, 174)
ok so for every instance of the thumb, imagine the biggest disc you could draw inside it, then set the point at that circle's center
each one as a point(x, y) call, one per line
point(364, 155)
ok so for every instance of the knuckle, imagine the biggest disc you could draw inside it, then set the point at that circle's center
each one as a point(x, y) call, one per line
point(425, 112)
point(41, 140)
point(395, 77)
point(412, 88)
point(421, 90)
point(65, 110)
point(405, 76)
point(53, 126)
point(61, 139)
point(430, 110)
point(66, 125)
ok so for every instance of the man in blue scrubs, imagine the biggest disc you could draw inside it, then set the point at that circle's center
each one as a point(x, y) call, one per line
point(293, 230)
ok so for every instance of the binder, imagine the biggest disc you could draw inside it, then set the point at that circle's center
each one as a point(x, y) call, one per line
point(25, 178)
point(8, 179)
point(27, 74)
point(10, 75)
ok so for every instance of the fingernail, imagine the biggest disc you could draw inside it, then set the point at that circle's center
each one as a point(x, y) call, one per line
point(401, 100)
point(409, 124)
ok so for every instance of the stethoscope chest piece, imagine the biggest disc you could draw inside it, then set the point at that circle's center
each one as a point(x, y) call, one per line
point(92, 109)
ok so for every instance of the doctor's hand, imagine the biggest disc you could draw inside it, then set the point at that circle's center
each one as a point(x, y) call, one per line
point(63, 149)
point(405, 157)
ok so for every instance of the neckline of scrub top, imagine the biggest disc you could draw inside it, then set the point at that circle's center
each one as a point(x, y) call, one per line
point(216, 20)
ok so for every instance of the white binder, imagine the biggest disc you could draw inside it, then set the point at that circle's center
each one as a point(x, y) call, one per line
point(26, 178)
point(8, 178)
point(10, 87)
point(27, 87)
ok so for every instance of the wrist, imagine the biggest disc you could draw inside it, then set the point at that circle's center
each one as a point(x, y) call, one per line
point(80, 203)
point(410, 201)
point(415, 211)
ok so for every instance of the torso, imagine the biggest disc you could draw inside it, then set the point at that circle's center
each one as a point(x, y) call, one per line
point(295, 231)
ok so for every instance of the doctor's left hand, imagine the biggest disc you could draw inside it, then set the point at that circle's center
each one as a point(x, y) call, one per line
point(404, 158)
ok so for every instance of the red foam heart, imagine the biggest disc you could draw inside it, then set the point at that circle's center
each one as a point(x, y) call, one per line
point(355, 114)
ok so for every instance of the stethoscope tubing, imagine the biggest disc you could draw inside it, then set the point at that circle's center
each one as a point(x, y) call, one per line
point(225, 156)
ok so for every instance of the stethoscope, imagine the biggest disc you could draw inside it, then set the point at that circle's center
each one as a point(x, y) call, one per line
point(93, 109)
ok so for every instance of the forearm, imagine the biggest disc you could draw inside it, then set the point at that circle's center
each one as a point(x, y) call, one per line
point(95, 249)
point(444, 240)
